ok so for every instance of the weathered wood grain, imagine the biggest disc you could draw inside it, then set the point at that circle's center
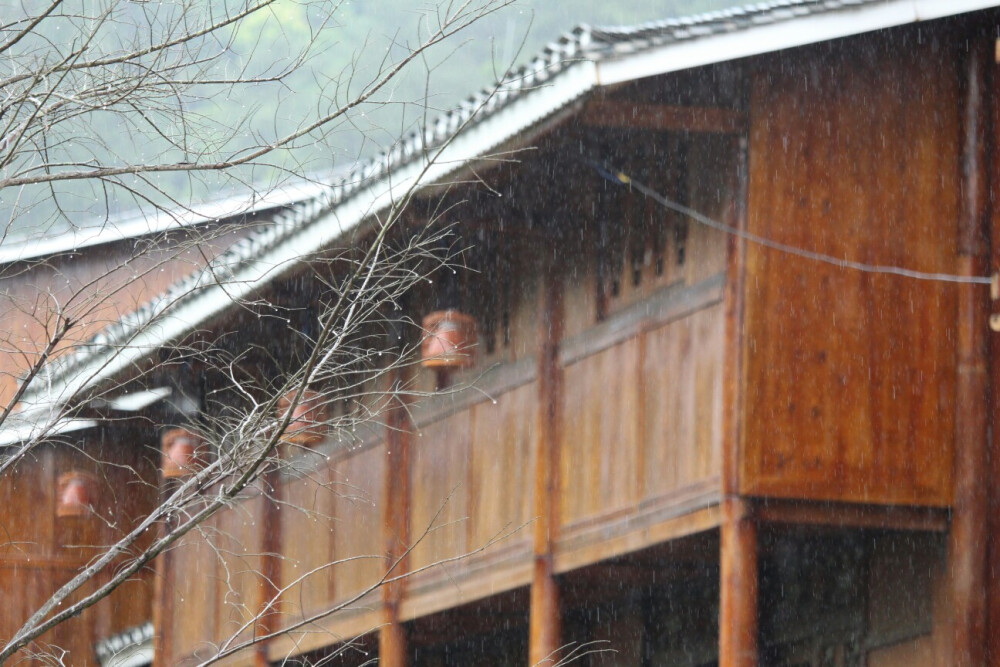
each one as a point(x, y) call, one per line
point(851, 375)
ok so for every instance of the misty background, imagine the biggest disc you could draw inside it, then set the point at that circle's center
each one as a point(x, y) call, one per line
point(348, 49)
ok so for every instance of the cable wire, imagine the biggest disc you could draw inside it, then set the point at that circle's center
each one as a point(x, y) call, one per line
point(622, 178)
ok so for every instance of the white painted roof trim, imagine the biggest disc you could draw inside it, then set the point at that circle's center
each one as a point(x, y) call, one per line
point(477, 141)
point(137, 400)
point(131, 648)
point(162, 221)
point(778, 36)
point(133, 656)
point(20, 429)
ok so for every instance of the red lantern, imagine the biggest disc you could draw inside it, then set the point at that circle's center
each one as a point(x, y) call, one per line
point(76, 492)
point(309, 417)
point(449, 340)
point(183, 452)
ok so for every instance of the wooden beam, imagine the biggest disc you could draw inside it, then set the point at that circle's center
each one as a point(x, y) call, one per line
point(635, 532)
point(993, 502)
point(967, 546)
point(662, 118)
point(163, 617)
point(850, 515)
point(738, 572)
point(393, 642)
point(270, 581)
point(733, 366)
point(738, 604)
point(449, 592)
point(545, 632)
point(394, 647)
point(324, 633)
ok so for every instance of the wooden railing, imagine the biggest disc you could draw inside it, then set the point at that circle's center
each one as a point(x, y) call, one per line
point(640, 459)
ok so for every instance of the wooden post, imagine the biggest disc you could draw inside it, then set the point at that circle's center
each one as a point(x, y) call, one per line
point(393, 641)
point(967, 547)
point(993, 489)
point(163, 616)
point(545, 637)
point(738, 615)
point(270, 566)
point(738, 621)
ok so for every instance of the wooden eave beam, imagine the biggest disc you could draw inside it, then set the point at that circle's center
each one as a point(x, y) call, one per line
point(662, 117)
point(847, 515)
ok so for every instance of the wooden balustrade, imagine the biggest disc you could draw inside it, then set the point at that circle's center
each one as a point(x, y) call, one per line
point(640, 445)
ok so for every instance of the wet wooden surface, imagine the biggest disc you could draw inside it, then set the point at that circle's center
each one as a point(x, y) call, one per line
point(40, 551)
point(850, 377)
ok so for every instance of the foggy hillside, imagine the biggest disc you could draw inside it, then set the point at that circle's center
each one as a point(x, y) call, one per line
point(346, 55)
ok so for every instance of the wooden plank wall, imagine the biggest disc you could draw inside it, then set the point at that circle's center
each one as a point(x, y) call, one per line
point(850, 376)
point(472, 487)
point(639, 444)
point(39, 551)
point(641, 439)
point(95, 287)
point(642, 390)
point(193, 587)
point(642, 418)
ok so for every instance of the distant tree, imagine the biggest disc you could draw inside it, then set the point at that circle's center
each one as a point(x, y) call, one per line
point(115, 98)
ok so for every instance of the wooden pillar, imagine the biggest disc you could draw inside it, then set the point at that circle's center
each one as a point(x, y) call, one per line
point(163, 616)
point(968, 537)
point(993, 489)
point(738, 622)
point(393, 641)
point(738, 571)
point(545, 636)
point(270, 574)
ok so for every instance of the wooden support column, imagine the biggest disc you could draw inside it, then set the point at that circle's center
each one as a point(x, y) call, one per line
point(270, 566)
point(393, 641)
point(967, 548)
point(545, 638)
point(738, 571)
point(993, 489)
point(163, 615)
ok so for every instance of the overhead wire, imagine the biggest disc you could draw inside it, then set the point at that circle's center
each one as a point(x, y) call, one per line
point(621, 178)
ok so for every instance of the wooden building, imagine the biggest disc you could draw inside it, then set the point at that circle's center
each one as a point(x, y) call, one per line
point(95, 276)
point(731, 398)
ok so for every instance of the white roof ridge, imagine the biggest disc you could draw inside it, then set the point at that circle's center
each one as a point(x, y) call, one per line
point(555, 63)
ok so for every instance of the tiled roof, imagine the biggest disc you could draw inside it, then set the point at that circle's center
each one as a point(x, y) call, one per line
point(583, 43)
point(130, 647)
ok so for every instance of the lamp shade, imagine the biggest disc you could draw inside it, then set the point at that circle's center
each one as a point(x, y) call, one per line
point(182, 452)
point(449, 340)
point(76, 492)
point(308, 424)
